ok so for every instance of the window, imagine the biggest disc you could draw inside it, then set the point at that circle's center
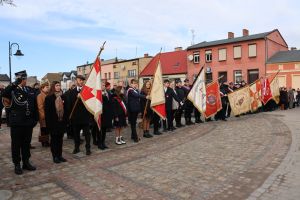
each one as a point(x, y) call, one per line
point(222, 54)
point(134, 63)
point(237, 52)
point(109, 76)
point(132, 73)
point(223, 76)
point(253, 75)
point(196, 57)
point(297, 66)
point(238, 77)
point(116, 75)
point(252, 50)
point(105, 75)
point(208, 56)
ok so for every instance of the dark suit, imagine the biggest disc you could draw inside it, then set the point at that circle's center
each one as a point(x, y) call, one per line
point(80, 120)
point(106, 120)
point(181, 95)
point(55, 127)
point(134, 108)
point(170, 95)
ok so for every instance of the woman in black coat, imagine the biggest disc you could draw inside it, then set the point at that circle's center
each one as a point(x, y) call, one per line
point(55, 115)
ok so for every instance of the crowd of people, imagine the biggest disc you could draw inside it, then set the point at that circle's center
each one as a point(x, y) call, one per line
point(59, 113)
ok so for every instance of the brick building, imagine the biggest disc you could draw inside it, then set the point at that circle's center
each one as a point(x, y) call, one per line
point(236, 58)
point(288, 62)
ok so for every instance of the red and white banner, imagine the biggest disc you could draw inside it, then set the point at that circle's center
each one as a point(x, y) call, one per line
point(213, 99)
point(158, 94)
point(255, 95)
point(91, 93)
point(266, 93)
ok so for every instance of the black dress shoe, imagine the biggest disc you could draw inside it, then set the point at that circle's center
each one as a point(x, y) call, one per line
point(88, 152)
point(95, 143)
point(62, 159)
point(81, 141)
point(105, 147)
point(56, 160)
point(157, 133)
point(172, 129)
point(147, 135)
point(101, 147)
point(18, 169)
point(28, 166)
point(75, 151)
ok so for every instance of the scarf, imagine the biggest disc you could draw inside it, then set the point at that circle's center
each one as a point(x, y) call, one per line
point(59, 106)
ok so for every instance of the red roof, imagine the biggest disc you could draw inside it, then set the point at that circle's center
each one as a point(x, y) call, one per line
point(171, 63)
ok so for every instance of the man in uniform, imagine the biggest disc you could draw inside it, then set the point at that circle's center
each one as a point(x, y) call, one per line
point(181, 95)
point(23, 117)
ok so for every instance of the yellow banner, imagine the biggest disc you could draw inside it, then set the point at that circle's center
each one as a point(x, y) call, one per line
point(255, 96)
point(240, 101)
point(274, 85)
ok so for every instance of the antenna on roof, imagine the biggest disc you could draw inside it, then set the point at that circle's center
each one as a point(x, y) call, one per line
point(193, 36)
point(116, 52)
point(136, 52)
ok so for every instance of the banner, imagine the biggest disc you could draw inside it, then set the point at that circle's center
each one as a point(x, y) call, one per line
point(91, 93)
point(158, 94)
point(240, 101)
point(274, 85)
point(255, 96)
point(213, 99)
point(266, 92)
point(197, 94)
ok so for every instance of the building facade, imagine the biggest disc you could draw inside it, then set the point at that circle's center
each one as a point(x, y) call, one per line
point(68, 78)
point(129, 69)
point(235, 58)
point(173, 65)
point(288, 62)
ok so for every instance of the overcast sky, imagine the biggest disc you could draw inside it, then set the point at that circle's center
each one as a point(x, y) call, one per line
point(58, 35)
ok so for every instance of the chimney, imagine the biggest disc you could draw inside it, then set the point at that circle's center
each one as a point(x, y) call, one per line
point(245, 32)
point(178, 48)
point(293, 48)
point(230, 35)
point(146, 55)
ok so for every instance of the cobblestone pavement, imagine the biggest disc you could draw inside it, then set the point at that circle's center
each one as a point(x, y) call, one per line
point(284, 182)
point(215, 160)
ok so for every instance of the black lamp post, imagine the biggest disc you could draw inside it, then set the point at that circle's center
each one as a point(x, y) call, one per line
point(18, 53)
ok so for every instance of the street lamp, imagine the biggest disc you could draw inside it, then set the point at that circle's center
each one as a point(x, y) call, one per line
point(18, 53)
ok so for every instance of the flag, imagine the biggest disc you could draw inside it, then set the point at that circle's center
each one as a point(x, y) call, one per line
point(91, 93)
point(266, 92)
point(157, 94)
point(240, 101)
point(274, 85)
point(197, 94)
point(213, 99)
point(255, 96)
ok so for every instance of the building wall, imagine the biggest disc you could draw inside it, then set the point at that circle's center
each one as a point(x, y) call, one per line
point(143, 62)
point(289, 75)
point(275, 43)
point(106, 69)
point(244, 63)
point(172, 77)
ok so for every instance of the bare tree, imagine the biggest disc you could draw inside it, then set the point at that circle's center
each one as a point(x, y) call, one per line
point(9, 2)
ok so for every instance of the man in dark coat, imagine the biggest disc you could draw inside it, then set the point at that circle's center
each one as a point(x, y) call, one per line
point(169, 96)
point(106, 118)
point(67, 95)
point(188, 109)
point(181, 95)
point(134, 107)
point(80, 117)
point(23, 117)
point(224, 99)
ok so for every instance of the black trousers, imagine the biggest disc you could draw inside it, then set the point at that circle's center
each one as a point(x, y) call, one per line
point(197, 115)
point(132, 117)
point(86, 132)
point(170, 118)
point(56, 143)
point(20, 143)
point(178, 116)
point(99, 135)
point(156, 120)
point(1, 108)
point(69, 130)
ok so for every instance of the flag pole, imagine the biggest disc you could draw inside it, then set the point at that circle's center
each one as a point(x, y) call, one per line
point(76, 102)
